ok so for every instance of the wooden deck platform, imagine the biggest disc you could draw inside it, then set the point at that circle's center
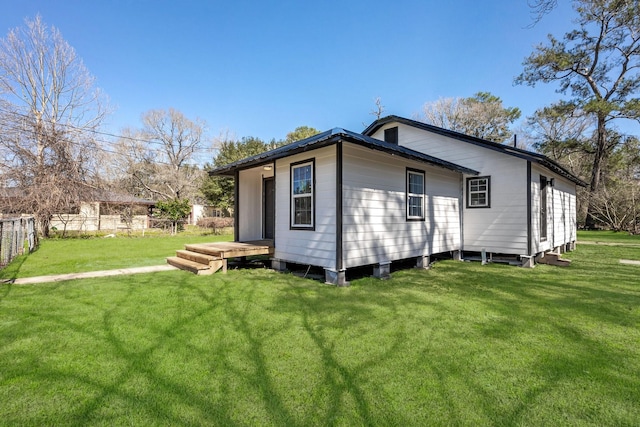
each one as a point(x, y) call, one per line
point(207, 258)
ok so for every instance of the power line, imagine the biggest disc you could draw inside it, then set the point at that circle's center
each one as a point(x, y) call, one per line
point(12, 125)
point(97, 132)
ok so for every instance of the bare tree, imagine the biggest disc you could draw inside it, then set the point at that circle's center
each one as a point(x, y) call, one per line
point(160, 160)
point(563, 134)
point(132, 166)
point(540, 8)
point(482, 116)
point(444, 113)
point(379, 108)
point(49, 112)
point(618, 207)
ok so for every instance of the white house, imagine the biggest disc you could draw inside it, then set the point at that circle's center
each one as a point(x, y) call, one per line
point(522, 203)
point(401, 190)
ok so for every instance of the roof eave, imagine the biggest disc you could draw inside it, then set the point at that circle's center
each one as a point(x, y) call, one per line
point(420, 158)
point(265, 158)
point(332, 137)
point(512, 151)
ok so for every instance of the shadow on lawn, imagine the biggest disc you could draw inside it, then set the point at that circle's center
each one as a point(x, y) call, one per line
point(550, 319)
point(353, 332)
point(537, 331)
point(10, 272)
point(340, 378)
point(304, 304)
point(163, 398)
point(560, 317)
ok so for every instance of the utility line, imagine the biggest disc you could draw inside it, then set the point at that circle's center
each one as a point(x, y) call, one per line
point(32, 132)
point(94, 131)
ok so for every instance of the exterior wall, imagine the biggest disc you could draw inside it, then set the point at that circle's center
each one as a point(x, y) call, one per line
point(561, 211)
point(501, 228)
point(375, 228)
point(565, 212)
point(204, 211)
point(197, 212)
point(537, 245)
point(315, 247)
point(250, 211)
point(84, 223)
point(90, 219)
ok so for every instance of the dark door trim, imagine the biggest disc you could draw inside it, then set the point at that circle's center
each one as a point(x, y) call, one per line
point(268, 204)
point(529, 213)
point(236, 206)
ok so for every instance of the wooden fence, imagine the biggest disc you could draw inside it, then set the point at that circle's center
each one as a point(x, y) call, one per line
point(16, 236)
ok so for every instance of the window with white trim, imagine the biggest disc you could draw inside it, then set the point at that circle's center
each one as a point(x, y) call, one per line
point(302, 195)
point(478, 194)
point(415, 195)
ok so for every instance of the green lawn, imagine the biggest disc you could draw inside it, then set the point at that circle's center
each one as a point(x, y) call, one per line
point(59, 256)
point(608, 237)
point(460, 344)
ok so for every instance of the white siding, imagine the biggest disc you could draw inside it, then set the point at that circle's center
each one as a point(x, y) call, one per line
point(561, 211)
point(502, 228)
point(317, 247)
point(375, 228)
point(250, 212)
point(537, 245)
point(564, 212)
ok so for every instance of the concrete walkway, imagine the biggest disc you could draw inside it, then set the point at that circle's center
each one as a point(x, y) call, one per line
point(90, 274)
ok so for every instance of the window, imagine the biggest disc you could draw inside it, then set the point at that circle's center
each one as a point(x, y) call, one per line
point(302, 195)
point(478, 194)
point(391, 135)
point(415, 195)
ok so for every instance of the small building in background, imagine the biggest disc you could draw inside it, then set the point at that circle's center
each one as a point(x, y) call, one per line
point(109, 211)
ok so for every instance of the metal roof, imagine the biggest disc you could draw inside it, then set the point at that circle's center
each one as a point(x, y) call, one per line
point(503, 148)
point(331, 137)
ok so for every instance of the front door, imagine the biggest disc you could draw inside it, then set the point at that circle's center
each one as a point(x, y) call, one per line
point(269, 207)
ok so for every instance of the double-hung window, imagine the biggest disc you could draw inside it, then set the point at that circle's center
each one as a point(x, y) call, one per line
point(302, 195)
point(415, 194)
point(478, 192)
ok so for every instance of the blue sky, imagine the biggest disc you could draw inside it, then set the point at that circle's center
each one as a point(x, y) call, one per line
point(263, 68)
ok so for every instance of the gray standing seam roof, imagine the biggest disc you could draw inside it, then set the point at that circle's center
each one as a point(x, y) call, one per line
point(331, 137)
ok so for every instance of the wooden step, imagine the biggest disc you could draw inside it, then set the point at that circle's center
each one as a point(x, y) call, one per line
point(188, 265)
point(553, 258)
point(218, 264)
point(204, 249)
point(230, 249)
point(196, 257)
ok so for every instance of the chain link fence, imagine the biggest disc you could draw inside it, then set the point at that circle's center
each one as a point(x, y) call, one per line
point(16, 236)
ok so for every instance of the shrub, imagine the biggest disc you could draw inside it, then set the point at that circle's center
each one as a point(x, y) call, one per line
point(216, 224)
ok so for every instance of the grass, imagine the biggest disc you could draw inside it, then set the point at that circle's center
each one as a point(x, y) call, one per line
point(58, 256)
point(460, 344)
point(608, 237)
